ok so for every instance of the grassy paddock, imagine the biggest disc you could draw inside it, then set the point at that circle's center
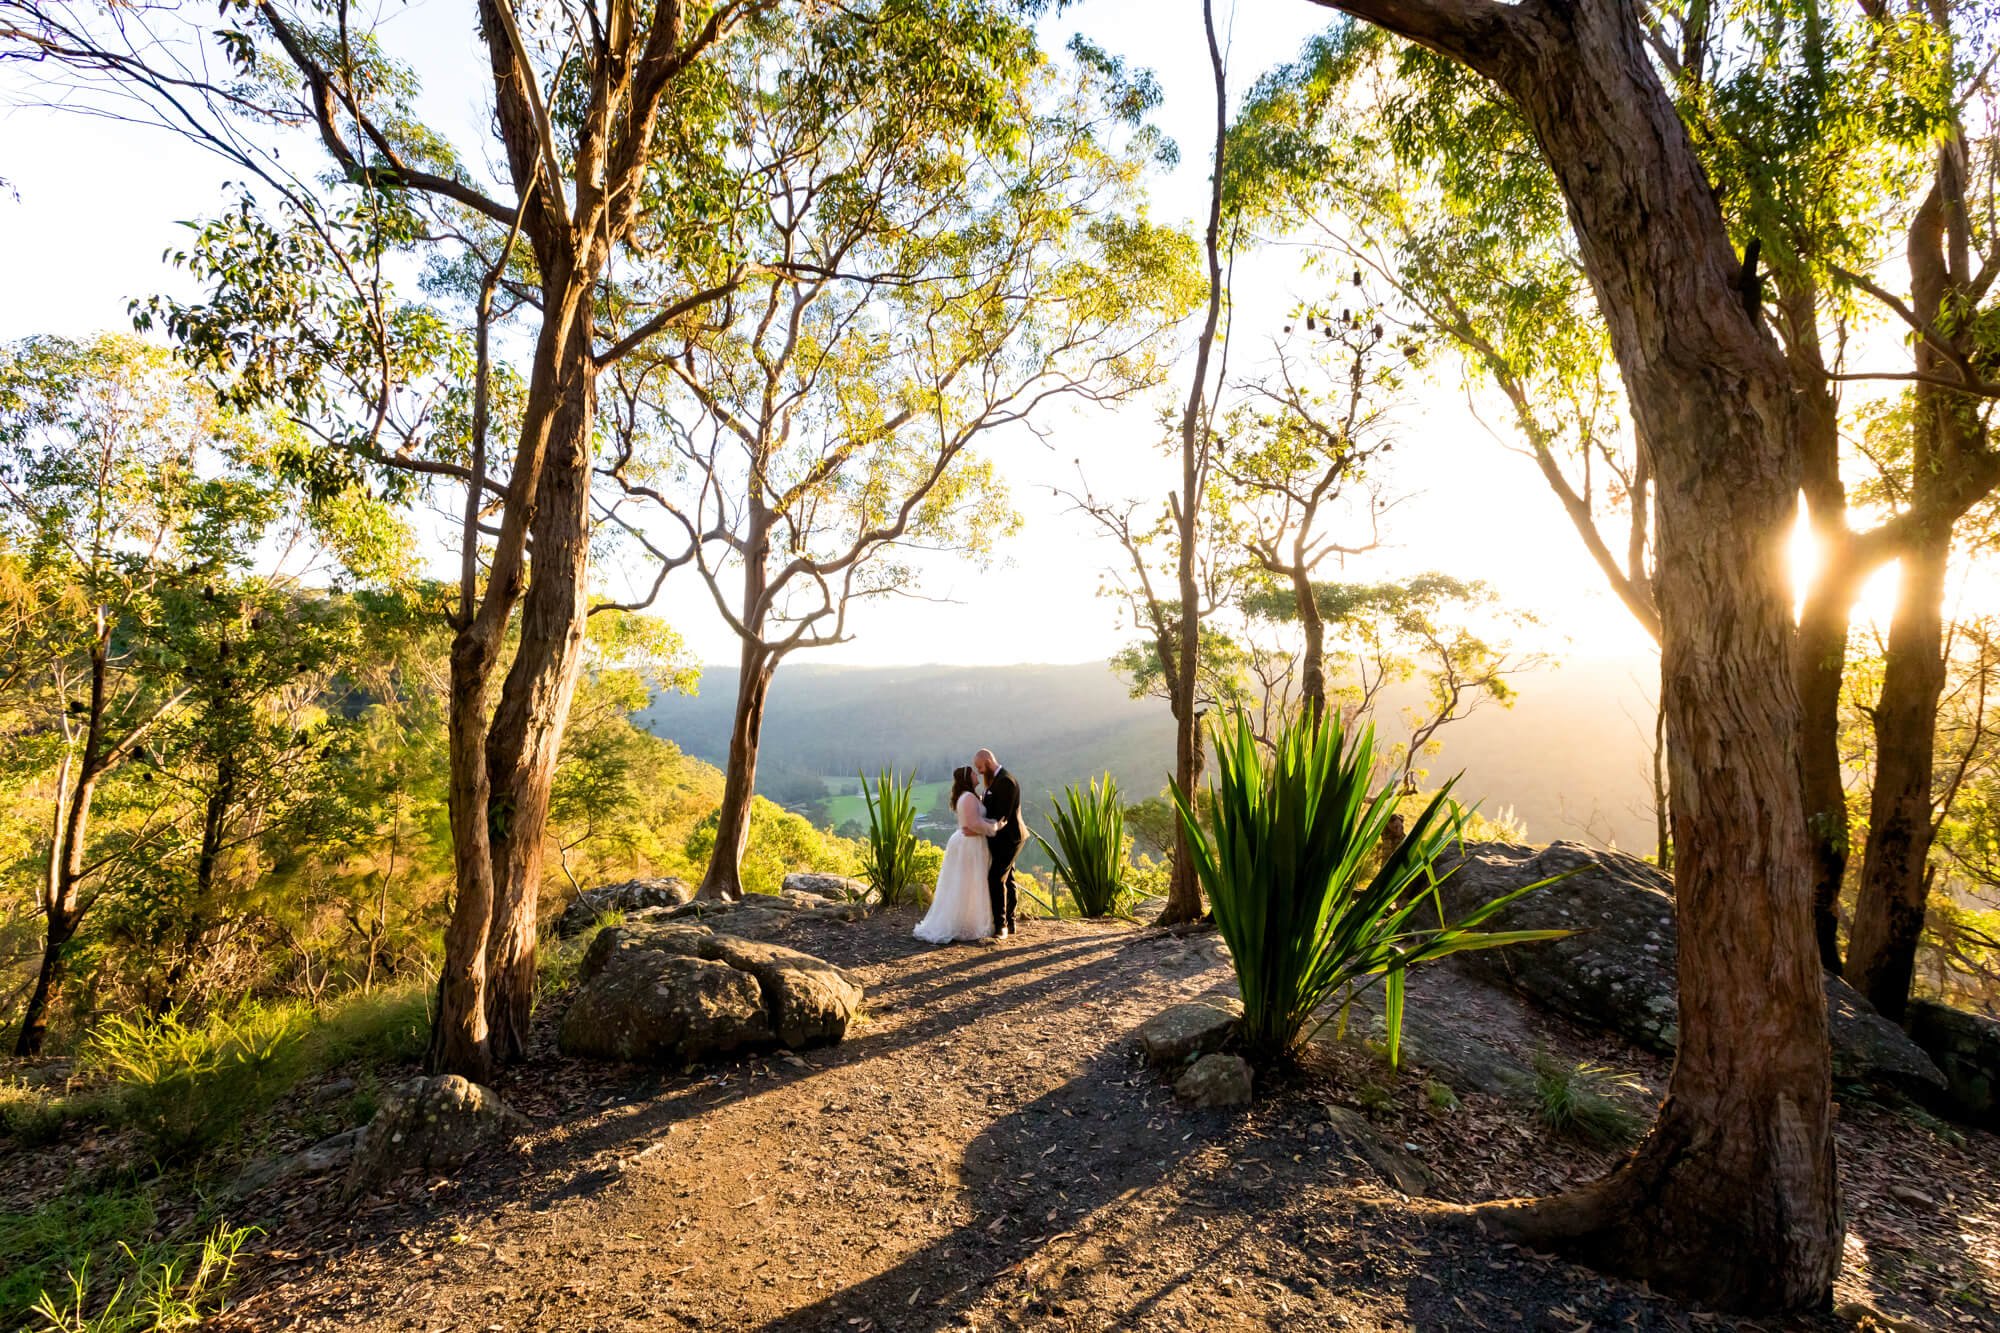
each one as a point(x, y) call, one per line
point(925, 797)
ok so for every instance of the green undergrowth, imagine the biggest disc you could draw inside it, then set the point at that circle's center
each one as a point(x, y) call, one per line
point(1579, 1101)
point(38, 1247)
point(195, 1087)
point(146, 1286)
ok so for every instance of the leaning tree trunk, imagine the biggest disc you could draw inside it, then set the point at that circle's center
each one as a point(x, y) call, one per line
point(63, 905)
point(1732, 1198)
point(724, 877)
point(1889, 909)
point(1948, 441)
point(528, 724)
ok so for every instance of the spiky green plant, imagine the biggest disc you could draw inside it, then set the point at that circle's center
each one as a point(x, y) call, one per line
point(1089, 850)
point(889, 860)
point(1286, 873)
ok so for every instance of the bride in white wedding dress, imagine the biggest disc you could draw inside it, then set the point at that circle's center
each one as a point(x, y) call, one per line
point(961, 909)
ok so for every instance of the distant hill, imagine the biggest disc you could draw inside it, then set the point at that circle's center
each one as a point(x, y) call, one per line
point(1570, 760)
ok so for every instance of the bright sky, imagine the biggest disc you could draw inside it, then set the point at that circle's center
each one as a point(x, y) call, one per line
point(100, 201)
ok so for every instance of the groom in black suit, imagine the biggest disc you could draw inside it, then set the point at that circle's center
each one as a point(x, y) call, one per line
point(1002, 801)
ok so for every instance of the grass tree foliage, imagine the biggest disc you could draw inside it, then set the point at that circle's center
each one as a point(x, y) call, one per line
point(1287, 862)
point(890, 858)
point(1089, 852)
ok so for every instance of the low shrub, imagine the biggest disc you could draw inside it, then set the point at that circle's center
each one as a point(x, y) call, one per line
point(1039, 900)
point(31, 1116)
point(191, 1087)
point(1286, 863)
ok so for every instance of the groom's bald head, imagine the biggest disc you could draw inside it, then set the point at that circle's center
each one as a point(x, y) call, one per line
point(986, 763)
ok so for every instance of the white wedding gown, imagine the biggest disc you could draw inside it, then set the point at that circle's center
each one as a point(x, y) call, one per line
point(961, 909)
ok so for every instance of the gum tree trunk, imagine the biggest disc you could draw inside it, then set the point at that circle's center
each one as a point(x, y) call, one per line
point(1312, 669)
point(461, 1029)
point(1732, 1198)
point(1820, 654)
point(1889, 910)
point(1183, 670)
point(1948, 473)
point(724, 877)
point(528, 723)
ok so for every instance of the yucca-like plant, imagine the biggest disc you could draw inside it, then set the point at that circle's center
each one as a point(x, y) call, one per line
point(889, 863)
point(1089, 850)
point(1286, 873)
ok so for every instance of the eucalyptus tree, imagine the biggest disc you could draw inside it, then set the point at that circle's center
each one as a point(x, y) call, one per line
point(1733, 1195)
point(951, 246)
point(1170, 659)
point(1816, 125)
point(1952, 246)
point(600, 136)
point(121, 487)
point(1451, 635)
point(248, 772)
point(1295, 451)
point(1398, 168)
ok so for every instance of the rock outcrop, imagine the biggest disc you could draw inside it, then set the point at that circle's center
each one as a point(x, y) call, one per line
point(1967, 1048)
point(670, 992)
point(1181, 1032)
point(1617, 971)
point(429, 1124)
point(1215, 1080)
point(834, 888)
point(755, 915)
point(631, 896)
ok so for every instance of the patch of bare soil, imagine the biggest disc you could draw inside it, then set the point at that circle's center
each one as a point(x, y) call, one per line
point(987, 1150)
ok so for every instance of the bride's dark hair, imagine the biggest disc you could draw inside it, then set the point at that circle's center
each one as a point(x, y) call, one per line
point(962, 781)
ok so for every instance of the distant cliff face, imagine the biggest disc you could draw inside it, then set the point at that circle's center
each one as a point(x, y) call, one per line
point(1571, 760)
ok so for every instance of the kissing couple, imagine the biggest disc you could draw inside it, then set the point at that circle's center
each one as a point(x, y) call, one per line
point(975, 897)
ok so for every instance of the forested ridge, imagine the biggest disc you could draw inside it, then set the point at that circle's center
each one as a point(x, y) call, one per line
point(1570, 759)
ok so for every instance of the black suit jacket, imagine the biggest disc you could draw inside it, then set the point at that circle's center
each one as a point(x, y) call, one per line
point(1003, 801)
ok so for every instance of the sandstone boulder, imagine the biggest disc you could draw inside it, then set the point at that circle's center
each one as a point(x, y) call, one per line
point(631, 896)
point(1181, 1032)
point(835, 888)
point(648, 1006)
point(809, 1000)
point(1215, 1080)
point(1617, 971)
point(676, 991)
point(428, 1125)
point(1967, 1048)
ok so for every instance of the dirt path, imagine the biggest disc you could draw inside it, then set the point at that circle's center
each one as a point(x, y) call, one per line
point(986, 1150)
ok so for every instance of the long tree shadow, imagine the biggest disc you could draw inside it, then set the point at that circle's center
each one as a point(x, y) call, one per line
point(1016, 1202)
point(649, 1104)
point(613, 1115)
